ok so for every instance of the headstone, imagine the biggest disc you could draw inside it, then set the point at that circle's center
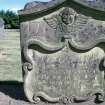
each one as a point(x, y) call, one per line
point(1, 27)
point(63, 53)
point(1, 23)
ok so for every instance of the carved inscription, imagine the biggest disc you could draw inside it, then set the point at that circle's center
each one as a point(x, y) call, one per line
point(64, 73)
point(63, 59)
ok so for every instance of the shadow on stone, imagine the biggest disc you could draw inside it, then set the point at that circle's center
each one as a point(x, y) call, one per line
point(99, 98)
point(13, 89)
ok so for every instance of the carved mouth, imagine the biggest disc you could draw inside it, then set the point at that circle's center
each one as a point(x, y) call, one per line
point(69, 20)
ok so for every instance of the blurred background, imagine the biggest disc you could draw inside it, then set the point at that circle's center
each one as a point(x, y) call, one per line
point(8, 11)
point(10, 52)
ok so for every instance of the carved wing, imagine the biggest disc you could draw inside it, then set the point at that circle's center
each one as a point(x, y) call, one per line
point(52, 21)
point(79, 23)
point(86, 32)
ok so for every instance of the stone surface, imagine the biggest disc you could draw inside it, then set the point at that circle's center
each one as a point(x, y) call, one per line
point(42, 5)
point(63, 55)
point(14, 95)
point(1, 23)
point(37, 6)
point(2, 33)
point(95, 4)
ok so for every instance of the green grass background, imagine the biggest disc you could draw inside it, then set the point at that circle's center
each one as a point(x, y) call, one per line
point(10, 57)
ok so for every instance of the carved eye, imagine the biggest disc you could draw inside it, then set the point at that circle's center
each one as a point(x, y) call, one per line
point(68, 16)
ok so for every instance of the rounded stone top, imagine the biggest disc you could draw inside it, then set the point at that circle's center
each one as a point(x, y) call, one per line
point(96, 4)
point(39, 4)
point(36, 6)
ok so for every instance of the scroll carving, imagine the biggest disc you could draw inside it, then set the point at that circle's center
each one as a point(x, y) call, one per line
point(78, 69)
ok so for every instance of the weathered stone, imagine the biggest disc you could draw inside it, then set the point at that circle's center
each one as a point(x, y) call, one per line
point(95, 4)
point(63, 53)
point(2, 33)
point(13, 95)
point(1, 23)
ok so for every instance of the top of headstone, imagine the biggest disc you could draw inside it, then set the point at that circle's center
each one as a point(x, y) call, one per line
point(36, 6)
point(95, 4)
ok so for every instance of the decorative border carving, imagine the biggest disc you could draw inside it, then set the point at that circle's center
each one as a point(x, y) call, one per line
point(28, 65)
point(52, 48)
point(67, 100)
point(62, 99)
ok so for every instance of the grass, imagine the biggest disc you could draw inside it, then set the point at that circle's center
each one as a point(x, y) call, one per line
point(10, 57)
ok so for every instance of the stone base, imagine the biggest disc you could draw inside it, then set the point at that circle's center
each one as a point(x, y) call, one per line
point(14, 95)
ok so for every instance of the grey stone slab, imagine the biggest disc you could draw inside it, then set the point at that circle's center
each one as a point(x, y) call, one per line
point(39, 6)
point(63, 54)
point(2, 33)
point(95, 4)
point(1, 23)
point(7, 99)
point(35, 6)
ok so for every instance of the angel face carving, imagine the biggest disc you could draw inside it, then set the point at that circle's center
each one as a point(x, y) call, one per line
point(67, 22)
point(68, 16)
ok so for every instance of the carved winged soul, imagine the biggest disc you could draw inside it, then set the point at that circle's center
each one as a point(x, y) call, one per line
point(62, 62)
point(67, 24)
